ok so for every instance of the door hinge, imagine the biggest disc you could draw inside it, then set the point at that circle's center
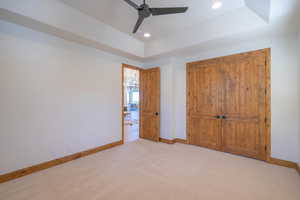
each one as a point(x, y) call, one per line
point(266, 91)
point(266, 120)
point(266, 148)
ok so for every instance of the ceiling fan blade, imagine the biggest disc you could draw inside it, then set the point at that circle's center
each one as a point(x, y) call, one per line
point(138, 23)
point(132, 4)
point(167, 11)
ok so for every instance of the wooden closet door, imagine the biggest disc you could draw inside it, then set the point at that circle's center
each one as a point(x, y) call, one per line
point(243, 105)
point(150, 104)
point(204, 83)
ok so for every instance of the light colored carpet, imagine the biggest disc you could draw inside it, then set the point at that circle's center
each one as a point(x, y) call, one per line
point(145, 170)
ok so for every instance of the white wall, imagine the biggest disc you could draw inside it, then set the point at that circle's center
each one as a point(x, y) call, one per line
point(299, 92)
point(57, 97)
point(167, 111)
point(285, 106)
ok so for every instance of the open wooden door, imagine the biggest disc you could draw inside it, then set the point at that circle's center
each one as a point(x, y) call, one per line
point(150, 104)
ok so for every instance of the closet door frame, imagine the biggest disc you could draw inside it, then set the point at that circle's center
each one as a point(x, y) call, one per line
point(267, 128)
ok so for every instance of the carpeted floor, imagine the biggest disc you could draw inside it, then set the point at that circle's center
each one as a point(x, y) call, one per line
point(144, 170)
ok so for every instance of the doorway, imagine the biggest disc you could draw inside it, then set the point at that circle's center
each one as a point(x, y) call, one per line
point(140, 103)
point(131, 103)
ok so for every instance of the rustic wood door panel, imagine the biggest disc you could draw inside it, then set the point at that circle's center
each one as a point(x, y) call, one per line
point(149, 127)
point(150, 104)
point(244, 105)
point(227, 103)
point(204, 105)
point(244, 86)
point(205, 83)
point(205, 132)
point(241, 137)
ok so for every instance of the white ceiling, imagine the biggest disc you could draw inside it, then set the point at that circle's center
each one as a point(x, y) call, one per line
point(121, 16)
point(107, 24)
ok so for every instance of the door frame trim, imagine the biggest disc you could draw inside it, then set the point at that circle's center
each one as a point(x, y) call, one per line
point(267, 52)
point(268, 103)
point(122, 96)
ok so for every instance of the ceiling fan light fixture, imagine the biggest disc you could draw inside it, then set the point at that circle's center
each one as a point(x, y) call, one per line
point(147, 35)
point(217, 4)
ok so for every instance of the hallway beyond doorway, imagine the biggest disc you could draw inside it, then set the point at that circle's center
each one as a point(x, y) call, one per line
point(131, 103)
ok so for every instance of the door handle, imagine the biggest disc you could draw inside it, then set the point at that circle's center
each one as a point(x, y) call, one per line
point(218, 117)
point(157, 113)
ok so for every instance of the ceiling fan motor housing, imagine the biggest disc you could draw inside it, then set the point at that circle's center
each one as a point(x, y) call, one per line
point(144, 11)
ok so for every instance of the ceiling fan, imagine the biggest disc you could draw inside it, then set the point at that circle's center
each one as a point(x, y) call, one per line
point(145, 11)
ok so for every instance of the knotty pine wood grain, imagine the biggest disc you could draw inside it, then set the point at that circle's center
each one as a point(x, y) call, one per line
point(150, 104)
point(235, 86)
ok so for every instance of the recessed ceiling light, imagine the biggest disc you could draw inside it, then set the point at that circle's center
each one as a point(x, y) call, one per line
point(147, 35)
point(217, 4)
